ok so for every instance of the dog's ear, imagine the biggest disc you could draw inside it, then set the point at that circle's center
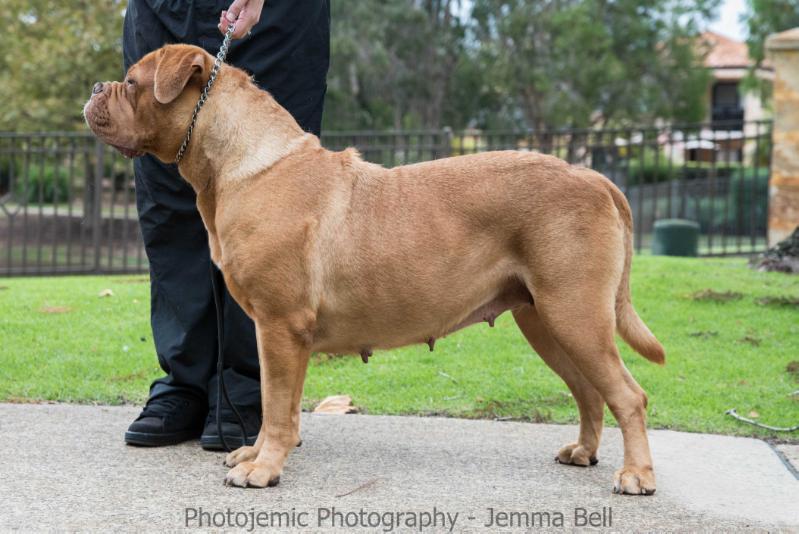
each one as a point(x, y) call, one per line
point(174, 70)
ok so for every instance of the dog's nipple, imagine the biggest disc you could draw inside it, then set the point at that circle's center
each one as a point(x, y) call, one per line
point(490, 320)
point(431, 342)
point(365, 353)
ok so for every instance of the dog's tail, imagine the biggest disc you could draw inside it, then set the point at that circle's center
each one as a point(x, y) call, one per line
point(630, 326)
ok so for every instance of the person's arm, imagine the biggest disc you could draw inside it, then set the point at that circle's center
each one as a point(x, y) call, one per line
point(245, 13)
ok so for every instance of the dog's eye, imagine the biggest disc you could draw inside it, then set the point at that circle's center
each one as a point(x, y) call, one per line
point(130, 81)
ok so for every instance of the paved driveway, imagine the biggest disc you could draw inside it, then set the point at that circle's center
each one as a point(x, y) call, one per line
point(65, 467)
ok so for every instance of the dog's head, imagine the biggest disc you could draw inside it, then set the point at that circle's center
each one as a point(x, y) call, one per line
point(150, 110)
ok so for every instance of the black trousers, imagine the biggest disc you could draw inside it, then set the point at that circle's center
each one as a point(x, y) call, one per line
point(288, 55)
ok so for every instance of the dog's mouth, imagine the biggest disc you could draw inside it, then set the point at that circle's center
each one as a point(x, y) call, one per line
point(128, 152)
point(98, 120)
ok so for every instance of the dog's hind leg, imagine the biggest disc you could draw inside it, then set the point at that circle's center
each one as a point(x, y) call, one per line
point(284, 359)
point(589, 402)
point(580, 317)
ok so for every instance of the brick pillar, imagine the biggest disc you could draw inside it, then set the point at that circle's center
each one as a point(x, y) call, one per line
point(783, 49)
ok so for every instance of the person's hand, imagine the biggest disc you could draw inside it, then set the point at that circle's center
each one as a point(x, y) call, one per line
point(245, 13)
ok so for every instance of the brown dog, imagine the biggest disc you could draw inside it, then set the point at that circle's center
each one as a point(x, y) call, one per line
point(328, 253)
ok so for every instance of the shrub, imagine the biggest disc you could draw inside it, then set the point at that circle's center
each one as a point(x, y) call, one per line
point(649, 173)
point(746, 201)
point(48, 185)
point(701, 171)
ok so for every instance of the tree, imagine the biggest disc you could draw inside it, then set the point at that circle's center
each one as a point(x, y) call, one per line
point(392, 62)
point(763, 18)
point(579, 63)
point(52, 53)
point(411, 63)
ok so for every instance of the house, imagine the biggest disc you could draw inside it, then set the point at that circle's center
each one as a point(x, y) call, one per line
point(733, 107)
point(730, 104)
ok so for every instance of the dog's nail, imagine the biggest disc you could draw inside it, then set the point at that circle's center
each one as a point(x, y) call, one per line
point(365, 353)
point(431, 342)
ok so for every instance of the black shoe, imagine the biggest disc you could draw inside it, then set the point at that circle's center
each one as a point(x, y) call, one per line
point(231, 429)
point(167, 420)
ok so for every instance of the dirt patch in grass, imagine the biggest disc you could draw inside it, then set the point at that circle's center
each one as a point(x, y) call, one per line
point(503, 411)
point(752, 340)
point(705, 334)
point(793, 369)
point(130, 376)
point(715, 296)
point(55, 309)
point(780, 301)
point(25, 400)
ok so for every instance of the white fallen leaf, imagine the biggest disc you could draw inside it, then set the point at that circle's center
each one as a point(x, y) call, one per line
point(336, 404)
point(55, 309)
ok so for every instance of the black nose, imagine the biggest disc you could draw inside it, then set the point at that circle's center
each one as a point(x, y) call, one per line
point(98, 88)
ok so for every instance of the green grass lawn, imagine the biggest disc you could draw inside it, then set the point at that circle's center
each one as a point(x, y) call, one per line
point(61, 341)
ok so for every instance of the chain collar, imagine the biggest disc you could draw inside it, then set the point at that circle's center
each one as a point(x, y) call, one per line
point(220, 58)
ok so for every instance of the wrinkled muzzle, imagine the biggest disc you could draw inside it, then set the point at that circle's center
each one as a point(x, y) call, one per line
point(107, 128)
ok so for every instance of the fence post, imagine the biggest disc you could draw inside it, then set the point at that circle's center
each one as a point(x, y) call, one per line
point(446, 135)
point(96, 209)
point(783, 217)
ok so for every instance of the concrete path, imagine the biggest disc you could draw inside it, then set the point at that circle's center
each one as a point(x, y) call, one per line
point(66, 468)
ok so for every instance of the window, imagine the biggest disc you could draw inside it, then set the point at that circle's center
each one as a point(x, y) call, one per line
point(726, 110)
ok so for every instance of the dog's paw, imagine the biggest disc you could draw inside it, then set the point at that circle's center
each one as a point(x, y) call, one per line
point(575, 454)
point(634, 481)
point(242, 454)
point(252, 474)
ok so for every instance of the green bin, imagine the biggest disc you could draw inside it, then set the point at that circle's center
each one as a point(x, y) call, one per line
point(675, 237)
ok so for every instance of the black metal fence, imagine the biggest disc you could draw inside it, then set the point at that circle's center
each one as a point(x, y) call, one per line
point(67, 203)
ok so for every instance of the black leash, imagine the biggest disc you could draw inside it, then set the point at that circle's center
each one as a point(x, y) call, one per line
point(217, 283)
point(217, 280)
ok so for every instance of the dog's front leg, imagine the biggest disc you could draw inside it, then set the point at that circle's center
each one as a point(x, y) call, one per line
point(250, 452)
point(284, 360)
